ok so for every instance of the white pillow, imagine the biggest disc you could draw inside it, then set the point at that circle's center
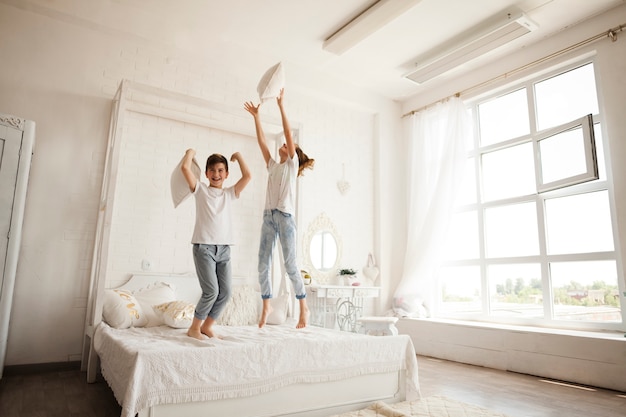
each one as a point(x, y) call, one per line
point(177, 314)
point(243, 307)
point(271, 82)
point(178, 183)
point(280, 308)
point(154, 294)
point(121, 310)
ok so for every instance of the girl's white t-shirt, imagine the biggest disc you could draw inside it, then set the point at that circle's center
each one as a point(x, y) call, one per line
point(213, 215)
point(281, 185)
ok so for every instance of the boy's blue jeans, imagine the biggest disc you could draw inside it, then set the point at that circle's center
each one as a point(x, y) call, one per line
point(281, 225)
point(214, 273)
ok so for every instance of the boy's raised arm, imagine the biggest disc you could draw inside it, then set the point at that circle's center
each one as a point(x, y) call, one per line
point(245, 173)
point(186, 168)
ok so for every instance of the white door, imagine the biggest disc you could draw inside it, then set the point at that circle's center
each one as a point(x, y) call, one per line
point(16, 144)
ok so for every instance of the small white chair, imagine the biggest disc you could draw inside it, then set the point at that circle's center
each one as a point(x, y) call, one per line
point(378, 326)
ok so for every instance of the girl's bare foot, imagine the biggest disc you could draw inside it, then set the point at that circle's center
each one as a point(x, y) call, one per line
point(304, 318)
point(304, 314)
point(267, 309)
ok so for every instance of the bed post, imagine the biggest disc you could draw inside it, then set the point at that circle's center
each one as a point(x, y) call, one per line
point(89, 360)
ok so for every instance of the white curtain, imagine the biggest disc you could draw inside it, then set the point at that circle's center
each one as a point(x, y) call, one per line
point(436, 139)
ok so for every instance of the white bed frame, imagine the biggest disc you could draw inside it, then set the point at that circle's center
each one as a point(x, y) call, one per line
point(301, 400)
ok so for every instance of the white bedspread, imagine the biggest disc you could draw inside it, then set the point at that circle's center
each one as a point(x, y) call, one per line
point(161, 365)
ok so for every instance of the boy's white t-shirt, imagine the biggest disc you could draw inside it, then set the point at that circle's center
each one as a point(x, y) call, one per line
point(281, 185)
point(213, 215)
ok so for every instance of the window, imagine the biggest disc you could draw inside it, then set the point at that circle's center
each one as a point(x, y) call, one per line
point(531, 240)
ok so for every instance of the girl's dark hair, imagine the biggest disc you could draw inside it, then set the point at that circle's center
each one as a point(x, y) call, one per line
point(305, 161)
point(216, 158)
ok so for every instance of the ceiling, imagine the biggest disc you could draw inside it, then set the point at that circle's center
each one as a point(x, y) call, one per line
point(262, 32)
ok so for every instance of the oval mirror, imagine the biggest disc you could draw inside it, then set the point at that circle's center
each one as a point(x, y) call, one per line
point(322, 249)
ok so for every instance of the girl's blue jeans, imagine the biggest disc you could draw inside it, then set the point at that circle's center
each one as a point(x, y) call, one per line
point(277, 224)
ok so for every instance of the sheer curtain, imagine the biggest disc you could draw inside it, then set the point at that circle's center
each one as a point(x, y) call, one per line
point(436, 139)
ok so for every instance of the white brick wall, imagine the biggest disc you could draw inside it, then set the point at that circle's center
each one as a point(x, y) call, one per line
point(335, 136)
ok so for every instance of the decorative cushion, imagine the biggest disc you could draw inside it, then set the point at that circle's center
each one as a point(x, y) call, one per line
point(178, 183)
point(271, 83)
point(243, 307)
point(121, 310)
point(177, 314)
point(154, 294)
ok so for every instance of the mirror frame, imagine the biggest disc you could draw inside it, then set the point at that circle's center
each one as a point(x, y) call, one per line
point(319, 224)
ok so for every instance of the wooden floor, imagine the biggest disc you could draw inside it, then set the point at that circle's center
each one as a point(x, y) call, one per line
point(67, 394)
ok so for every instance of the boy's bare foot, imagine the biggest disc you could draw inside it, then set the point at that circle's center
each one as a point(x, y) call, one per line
point(267, 309)
point(209, 333)
point(196, 334)
point(207, 327)
point(304, 318)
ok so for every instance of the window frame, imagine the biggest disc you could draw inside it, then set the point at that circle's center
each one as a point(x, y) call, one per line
point(589, 182)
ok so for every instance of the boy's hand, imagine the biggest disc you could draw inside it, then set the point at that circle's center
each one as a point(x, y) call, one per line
point(235, 157)
point(190, 152)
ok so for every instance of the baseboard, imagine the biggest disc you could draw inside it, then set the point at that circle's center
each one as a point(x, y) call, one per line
point(38, 368)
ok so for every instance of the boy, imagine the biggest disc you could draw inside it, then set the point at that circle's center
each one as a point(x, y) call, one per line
point(212, 236)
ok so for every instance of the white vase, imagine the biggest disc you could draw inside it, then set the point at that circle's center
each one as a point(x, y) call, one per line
point(352, 280)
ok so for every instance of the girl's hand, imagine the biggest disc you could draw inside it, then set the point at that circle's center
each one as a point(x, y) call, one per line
point(280, 97)
point(251, 108)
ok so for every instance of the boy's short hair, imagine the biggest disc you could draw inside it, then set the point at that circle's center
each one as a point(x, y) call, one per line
point(216, 158)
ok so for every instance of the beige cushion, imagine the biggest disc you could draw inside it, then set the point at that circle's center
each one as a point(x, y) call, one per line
point(177, 314)
point(243, 308)
point(121, 310)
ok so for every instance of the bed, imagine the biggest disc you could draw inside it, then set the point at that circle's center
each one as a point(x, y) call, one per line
point(278, 370)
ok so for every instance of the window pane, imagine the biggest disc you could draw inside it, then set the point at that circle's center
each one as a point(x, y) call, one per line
point(462, 240)
point(515, 290)
point(563, 155)
point(566, 97)
point(585, 291)
point(460, 289)
point(579, 223)
point(511, 231)
point(503, 118)
point(509, 172)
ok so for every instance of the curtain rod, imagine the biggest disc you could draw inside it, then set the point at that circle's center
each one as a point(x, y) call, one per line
point(611, 34)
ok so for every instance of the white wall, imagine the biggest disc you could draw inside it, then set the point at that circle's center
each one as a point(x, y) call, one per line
point(63, 75)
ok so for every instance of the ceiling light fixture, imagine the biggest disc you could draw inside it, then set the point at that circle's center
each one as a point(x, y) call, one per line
point(494, 33)
point(366, 23)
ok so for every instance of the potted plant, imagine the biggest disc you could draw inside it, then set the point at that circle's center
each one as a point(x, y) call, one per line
point(349, 275)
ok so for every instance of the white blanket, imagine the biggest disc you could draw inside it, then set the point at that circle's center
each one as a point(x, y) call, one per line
point(161, 365)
